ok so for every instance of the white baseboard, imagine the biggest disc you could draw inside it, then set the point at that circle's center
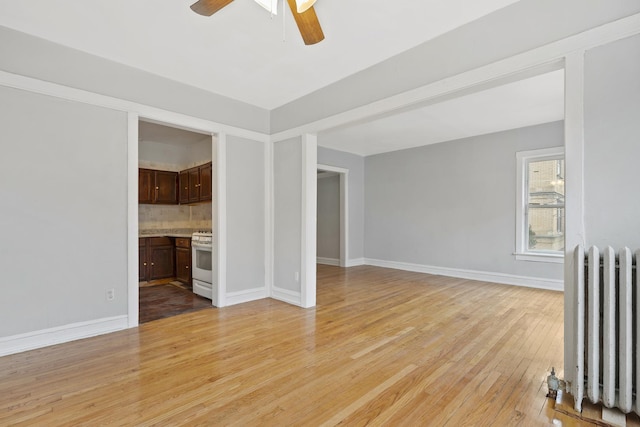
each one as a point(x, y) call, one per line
point(233, 298)
point(61, 334)
point(328, 261)
point(355, 262)
point(333, 261)
point(484, 276)
point(285, 295)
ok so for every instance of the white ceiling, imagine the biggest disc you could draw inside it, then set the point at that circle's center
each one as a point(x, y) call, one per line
point(239, 52)
point(522, 103)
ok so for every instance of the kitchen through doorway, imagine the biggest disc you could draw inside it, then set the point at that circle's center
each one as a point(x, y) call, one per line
point(176, 175)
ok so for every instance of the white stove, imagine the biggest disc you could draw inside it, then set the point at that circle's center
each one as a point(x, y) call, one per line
point(202, 256)
point(202, 238)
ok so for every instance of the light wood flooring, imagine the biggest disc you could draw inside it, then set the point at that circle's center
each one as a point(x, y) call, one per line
point(382, 347)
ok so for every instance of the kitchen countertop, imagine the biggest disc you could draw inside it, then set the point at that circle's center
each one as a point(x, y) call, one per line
point(170, 232)
point(159, 234)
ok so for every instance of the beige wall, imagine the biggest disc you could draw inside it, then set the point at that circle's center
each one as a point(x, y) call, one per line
point(186, 218)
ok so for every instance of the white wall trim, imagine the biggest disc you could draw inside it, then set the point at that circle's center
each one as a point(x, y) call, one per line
point(523, 158)
point(330, 168)
point(344, 209)
point(61, 334)
point(328, 261)
point(483, 276)
point(309, 212)
point(344, 218)
point(154, 114)
point(239, 297)
point(132, 221)
point(221, 225)
point(574, 188)
point(269, 214)
point(505, 68)
point(355, 262)
point(286, 295)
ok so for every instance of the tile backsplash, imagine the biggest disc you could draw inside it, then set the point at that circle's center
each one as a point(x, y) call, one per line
point(162, 217)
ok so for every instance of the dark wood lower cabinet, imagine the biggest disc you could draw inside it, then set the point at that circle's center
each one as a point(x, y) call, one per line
point(162, 262)
point(183, 260)
point(164, 257)
point(157, 258)
point(142, 259)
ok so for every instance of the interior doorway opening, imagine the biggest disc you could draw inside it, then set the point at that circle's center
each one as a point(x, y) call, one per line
point(332, 242)
point(176, 198)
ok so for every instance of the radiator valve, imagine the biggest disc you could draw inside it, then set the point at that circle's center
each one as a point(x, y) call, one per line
point(553, 383)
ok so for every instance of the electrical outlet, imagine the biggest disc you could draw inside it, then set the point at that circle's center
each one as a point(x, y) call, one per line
point(111, 294)
point(296, 276)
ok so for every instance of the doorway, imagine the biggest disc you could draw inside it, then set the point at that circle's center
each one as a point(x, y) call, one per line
point(175, 199)
point(332, 215)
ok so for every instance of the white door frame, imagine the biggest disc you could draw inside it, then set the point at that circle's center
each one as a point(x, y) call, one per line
point(218, 152)
point(344, 210)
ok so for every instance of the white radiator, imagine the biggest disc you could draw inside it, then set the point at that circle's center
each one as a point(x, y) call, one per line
point(607, 328)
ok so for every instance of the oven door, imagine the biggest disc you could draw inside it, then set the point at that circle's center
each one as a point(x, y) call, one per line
point(201, 263)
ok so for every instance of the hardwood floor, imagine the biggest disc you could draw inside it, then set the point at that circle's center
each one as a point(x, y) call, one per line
point(382, 347)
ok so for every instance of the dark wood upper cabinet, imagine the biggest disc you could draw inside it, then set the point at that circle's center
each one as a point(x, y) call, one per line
point(183, 187)
point(195, 184)
point(170, 188)
point(205, 181)
point(145, 185)
point(166, 187)
point(159, 187)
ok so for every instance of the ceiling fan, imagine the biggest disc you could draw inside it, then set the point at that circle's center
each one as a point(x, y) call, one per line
point(302, 10)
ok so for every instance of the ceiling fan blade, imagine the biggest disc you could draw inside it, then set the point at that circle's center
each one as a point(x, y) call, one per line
point(308, 24)
point(209, 7)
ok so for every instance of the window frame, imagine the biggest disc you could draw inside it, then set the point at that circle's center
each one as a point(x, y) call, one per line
point(523, 159)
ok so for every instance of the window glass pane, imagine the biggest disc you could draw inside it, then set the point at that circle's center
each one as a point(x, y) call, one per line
point(546, 229)
point(545, 219)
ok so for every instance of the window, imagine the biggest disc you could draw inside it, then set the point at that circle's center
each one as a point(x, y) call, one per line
point(540, 210)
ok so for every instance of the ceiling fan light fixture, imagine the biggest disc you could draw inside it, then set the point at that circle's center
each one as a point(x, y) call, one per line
point(303, 5)
point(270, 5)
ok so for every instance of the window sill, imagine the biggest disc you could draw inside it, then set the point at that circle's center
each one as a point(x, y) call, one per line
point(540, 257)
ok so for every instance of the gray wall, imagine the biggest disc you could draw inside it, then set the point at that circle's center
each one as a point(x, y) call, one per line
point(355, 165)
point(453, 204)
point(287, 183)
point(612, 144)
point(517, 28)
point(34, 57)
point(245, 214)
point(328, 218)
point(63, 187)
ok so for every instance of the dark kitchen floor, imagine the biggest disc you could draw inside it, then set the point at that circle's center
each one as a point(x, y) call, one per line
point(166, 300)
